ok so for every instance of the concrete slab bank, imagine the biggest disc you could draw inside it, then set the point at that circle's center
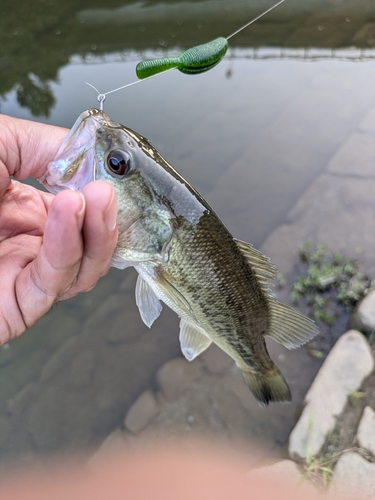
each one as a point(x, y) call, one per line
point(347, 365)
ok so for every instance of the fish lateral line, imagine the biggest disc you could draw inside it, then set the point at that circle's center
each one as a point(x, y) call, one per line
point(195, 60)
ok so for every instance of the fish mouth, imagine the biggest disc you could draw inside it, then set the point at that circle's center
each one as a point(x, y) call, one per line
point(75, 162)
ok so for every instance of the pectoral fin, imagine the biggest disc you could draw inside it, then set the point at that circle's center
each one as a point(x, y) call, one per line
point(148, 304)
point(162, 289)
point(192, 339)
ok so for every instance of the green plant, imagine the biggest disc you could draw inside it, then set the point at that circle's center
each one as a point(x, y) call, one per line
point(355, 396)
point(329, 284)
point(319, 469)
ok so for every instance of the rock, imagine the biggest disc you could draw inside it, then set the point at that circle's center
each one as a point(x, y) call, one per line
point(366, 430)
point(22, 399)
point(346, 366)
point(106, 317)
point(231, 413)
point(215, 359)
point(367, 124)
point(301, 144)
point(67, 416)
point(345, 160)
point(5, 429)
point(141, 412)
point(219, 408)
point(175, 375)
point(114, 443)
point(60, 359)
point(192, 411)
point(363, 318)
point(82, 369)
point(286, 471)
point(353, 477)
point(121, 332)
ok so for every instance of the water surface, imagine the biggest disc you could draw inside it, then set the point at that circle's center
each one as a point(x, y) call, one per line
point(251, 135)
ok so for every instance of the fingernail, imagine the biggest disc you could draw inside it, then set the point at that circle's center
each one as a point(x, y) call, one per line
point(81, 212)
point(110, 215)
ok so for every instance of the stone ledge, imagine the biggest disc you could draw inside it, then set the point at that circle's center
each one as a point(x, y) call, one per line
point(366, 430)
point(353, 477)
point(347, 365)
point(141, 412)
point(363, 318)
point(285, 471)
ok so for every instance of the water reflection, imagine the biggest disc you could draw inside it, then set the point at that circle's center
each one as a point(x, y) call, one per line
point(35, 95)
point(250, 135)
point(38, 38)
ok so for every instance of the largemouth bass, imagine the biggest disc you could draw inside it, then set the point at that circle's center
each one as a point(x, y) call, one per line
point(184, 255)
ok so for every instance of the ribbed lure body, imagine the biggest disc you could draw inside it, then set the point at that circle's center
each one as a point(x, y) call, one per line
point(202, 57)
point(192, 61)
point(151, 67)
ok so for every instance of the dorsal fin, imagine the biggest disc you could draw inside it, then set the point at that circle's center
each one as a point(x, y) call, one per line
point(264, 269)
point(287, 326)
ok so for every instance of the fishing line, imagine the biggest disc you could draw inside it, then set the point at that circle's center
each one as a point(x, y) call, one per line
point(101, 97)
point(256, 19)
point(192, 61)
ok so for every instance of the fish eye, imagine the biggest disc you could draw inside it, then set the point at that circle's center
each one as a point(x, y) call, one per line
point(118, 163)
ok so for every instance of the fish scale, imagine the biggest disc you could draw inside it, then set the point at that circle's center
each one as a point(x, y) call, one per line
point(183, 253)
point(227, 312)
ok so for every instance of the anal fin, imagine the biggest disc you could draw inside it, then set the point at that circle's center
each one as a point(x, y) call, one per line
point(192, 339)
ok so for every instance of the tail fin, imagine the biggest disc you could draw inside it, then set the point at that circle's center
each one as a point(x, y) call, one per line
point(267, 387)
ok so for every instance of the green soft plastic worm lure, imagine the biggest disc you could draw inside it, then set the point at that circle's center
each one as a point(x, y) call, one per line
point(191, 62)
point(195, 60)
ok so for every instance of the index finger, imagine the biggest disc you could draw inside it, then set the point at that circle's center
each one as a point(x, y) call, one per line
point(26, 147)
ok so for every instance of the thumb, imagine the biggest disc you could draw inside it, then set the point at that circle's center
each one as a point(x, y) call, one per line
point(57, 264)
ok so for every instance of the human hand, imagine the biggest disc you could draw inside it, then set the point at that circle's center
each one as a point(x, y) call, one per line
point(51, 247)
point(157, 472)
